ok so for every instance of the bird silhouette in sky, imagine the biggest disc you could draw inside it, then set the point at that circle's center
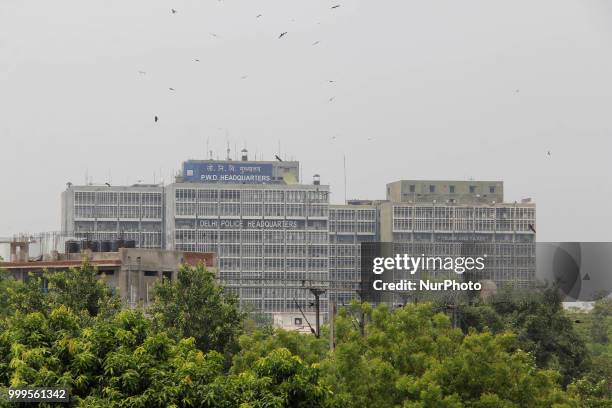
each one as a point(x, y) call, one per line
point(173, 11)
point(315, 43)
point(282, 34)
point(214, 35)
point(257, 16)
point(107, 184)
point(531, 228)
point(331, 81)
point(548, 153)
point(332, 98)
point(244, 77)
point(197, 60)
point(335, 7)
point(156, 119)
point(278, 158)
point(141, 72)
point(172, 89)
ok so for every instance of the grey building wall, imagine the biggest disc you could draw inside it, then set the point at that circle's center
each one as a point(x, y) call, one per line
point(271, 240)
point(349, 226)
point(500, 231)
point(446, 191)
point(108, 213)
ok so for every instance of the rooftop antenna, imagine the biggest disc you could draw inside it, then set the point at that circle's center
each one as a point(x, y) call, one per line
point(207, 146)
point(344, 165)
point(228, 152)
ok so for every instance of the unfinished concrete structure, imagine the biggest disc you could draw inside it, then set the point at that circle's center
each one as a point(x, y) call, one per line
point(131, 271)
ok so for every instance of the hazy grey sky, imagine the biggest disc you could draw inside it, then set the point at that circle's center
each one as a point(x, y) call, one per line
point(444, 89)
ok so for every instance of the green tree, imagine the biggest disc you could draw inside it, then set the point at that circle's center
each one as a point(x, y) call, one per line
point(542, 327)
point(195, 305)
point(122, 362)
point(258, 344)
point(413, 357)
point(82, 290)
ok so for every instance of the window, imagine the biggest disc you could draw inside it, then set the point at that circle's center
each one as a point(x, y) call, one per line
point(472, 189)
point(297, 321)
point(491, 189)
point(166, 276)
point(451, 189)
point(150, 273)
point(432, 188)
point(412, 188)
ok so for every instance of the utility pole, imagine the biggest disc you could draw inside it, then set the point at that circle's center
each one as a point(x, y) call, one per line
point(317, 293)
point(332, 315)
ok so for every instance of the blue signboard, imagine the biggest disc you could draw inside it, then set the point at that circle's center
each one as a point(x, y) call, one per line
point(227, 172)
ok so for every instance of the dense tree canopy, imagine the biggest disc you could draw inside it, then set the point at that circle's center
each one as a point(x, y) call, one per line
point(194, 305)
point(191, 349)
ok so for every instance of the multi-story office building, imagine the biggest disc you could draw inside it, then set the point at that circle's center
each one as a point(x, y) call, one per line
point(271, 240)
point(349, 226)
point(462, 219)
point(275, 238)
point(106, 213)
point(270, 234)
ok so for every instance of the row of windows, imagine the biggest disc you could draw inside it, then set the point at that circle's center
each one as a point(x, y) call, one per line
point(452, 189)
point(250, 196)
point(499, 213)
point(113, 211)
point(250, 209)
point(274, 264)
point(349, 214)
point(143, 239)
point(352, 226)
point(289, 237)
point(420, 224)
point(117, 197)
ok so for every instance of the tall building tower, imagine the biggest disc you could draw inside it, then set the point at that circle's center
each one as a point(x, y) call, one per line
point(270, 233)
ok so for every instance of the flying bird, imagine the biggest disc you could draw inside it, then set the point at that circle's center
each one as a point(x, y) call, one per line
point(156, 119)
point(331, 81)
point(531, 228)
point(332, 98)
point(173, 11)
point(282, 34)
point(107, 184)
point(548, 153)
point(141, 72)
point(214, 35)
point(197, 60)
point(278, 158)
point(315, 43)
point(244, 77)
point(336, 6)
point(257, 16)
point(172, 89)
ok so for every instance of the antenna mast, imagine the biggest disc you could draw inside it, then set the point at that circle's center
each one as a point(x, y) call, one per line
point(344, 165)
